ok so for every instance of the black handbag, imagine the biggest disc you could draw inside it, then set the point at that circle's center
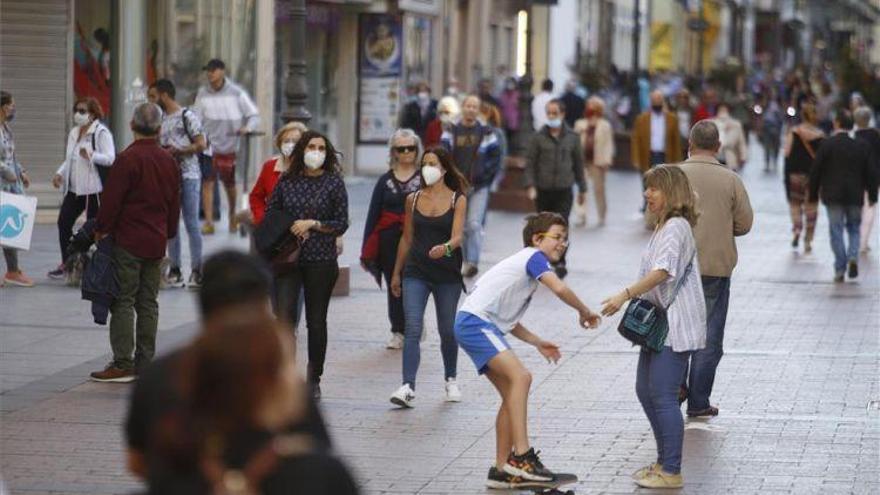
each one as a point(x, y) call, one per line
point(645, 323)
point(275, 243)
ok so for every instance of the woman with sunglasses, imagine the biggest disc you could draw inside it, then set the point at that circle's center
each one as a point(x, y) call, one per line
point(90, 153)
point(429, 262)
point(384, 224)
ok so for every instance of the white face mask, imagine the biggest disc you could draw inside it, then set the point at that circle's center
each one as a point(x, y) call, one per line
point(314, 159)
point(81, 118)
point(424, 96)
point(287, 148)
point(431, 174)
point(445, 118)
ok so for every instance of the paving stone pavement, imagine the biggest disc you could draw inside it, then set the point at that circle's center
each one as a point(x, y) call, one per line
point(800, 368)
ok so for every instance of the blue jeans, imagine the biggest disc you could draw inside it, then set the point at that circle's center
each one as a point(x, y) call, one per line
point(705, 361)
point(840, 216)
point(478, 203)
point(657, 381)
point(190, 198)
point(415, 299)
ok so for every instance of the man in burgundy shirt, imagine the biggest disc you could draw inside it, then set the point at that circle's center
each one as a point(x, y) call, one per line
point(140, 209)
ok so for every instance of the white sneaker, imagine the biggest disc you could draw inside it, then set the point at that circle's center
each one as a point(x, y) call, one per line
point(395, 342)
point(453, 393)
point(404, 396)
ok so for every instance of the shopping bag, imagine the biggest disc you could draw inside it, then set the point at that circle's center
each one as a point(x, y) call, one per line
point(17, 216)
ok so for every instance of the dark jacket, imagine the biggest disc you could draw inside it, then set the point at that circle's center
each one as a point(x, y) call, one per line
point(574, 107)
point(872, 137)
point(555, 163)
point(487, 159)
point(99, 282)
point(842, 172)
point(412, 117)
point(140, 206)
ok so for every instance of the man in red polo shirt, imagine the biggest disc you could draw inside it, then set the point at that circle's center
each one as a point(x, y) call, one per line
point(140, 210)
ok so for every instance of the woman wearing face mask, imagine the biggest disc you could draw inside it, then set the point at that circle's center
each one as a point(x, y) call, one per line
point(313, 192)
point(429, 262)
point(448, 111)
point(285, 141)
point(385, 220)
point(90, 153)
point(597, 142)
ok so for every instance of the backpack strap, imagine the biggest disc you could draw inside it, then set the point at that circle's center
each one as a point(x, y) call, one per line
point(186, 125)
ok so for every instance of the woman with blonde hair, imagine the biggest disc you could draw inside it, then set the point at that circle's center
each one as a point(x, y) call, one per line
point(448, 111)
point(669, 277)
point(597, 141)
point(285, 141)
point(384, 224)
point(801, 144)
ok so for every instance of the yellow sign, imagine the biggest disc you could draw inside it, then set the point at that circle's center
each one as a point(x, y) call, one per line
point(661, 46)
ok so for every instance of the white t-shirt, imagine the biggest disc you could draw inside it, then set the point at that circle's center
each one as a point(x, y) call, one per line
point(502, 295)
point(658, 132)
point(670, 249)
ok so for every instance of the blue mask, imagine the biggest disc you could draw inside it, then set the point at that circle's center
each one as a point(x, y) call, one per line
point(554, 123)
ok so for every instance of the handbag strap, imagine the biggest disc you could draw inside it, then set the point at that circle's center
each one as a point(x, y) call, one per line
point(682, 279)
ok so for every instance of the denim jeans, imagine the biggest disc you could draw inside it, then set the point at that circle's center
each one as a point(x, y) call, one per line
point(415, 299)
point(850, 217)
point(190, 196)
point(705, 361)
point(478, 203)
point(657, 381)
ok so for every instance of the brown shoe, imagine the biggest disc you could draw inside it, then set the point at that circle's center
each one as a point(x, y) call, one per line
point(112, 374)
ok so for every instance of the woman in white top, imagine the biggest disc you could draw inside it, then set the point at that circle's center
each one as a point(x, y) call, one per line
point(597, 141)
point(670, 257)
point(90, 153)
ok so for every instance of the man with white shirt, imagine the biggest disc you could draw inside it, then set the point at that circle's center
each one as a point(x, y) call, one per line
point(655, 137)
point(539, 104)
point(227, 112)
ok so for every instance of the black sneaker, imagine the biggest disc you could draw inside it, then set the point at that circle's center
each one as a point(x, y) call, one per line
point(195, 280)
point(174, 278)
point(528, 466)
point(500, 480)
point(852, 269)
point(57, 273)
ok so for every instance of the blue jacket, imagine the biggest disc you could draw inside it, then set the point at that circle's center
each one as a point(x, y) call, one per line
point(99, 282)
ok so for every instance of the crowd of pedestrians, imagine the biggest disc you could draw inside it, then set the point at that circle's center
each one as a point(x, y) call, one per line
point(423, 238)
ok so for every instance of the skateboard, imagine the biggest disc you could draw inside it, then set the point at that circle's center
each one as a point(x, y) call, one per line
point(548, 487)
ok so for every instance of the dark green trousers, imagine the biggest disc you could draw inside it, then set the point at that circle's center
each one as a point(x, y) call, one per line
point(134, 343)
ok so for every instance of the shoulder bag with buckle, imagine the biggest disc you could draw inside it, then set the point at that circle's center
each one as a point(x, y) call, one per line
point(645, 323)
point(275, 243)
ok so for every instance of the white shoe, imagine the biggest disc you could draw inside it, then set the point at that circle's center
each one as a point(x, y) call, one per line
point(453, 393)
point(395, 342)
point(404, 396)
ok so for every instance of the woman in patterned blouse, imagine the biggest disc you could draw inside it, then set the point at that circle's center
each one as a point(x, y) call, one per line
point(669, 258)
point(312, 190)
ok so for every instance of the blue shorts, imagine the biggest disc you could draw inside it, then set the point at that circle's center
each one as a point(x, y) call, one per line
point(480, 339)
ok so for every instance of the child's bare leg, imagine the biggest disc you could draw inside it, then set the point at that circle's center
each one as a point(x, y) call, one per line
point(506, 368)
point(503, 432)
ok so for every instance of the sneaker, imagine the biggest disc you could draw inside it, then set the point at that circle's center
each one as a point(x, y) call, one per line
point(468, 270)
point(208, 229)
point(795, 241)
point(528, 466)
point(395, 342)
point(112, 374)
point(808, 246)
point(838, 278)
point(852, 269)
point(18, 279)
point(195, 280)
point(660, 479)
point(404, 396)
point(174, 278)
point(641, 473)
point(453, 393)
point(500, 480)
point(57, 273)
point(703, 413)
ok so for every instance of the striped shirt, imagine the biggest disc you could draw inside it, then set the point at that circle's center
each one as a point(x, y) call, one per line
point(223, 113)
point(670, 249)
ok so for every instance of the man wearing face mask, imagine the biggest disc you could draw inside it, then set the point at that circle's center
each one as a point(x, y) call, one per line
point(183, 137)
point(554, 163)
point(655, 137)
point(417, 114)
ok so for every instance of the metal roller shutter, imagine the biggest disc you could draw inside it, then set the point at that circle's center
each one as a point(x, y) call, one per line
point(35, 65)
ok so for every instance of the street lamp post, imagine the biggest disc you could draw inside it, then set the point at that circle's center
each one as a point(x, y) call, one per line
point(296, 87)
point(634, 80)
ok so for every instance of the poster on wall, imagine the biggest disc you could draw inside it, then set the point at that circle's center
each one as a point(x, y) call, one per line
point(380, 68)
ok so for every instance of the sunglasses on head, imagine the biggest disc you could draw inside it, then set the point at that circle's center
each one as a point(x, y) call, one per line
point(406, 149)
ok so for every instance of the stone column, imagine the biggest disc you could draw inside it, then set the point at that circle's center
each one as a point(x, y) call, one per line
point(127, 63)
